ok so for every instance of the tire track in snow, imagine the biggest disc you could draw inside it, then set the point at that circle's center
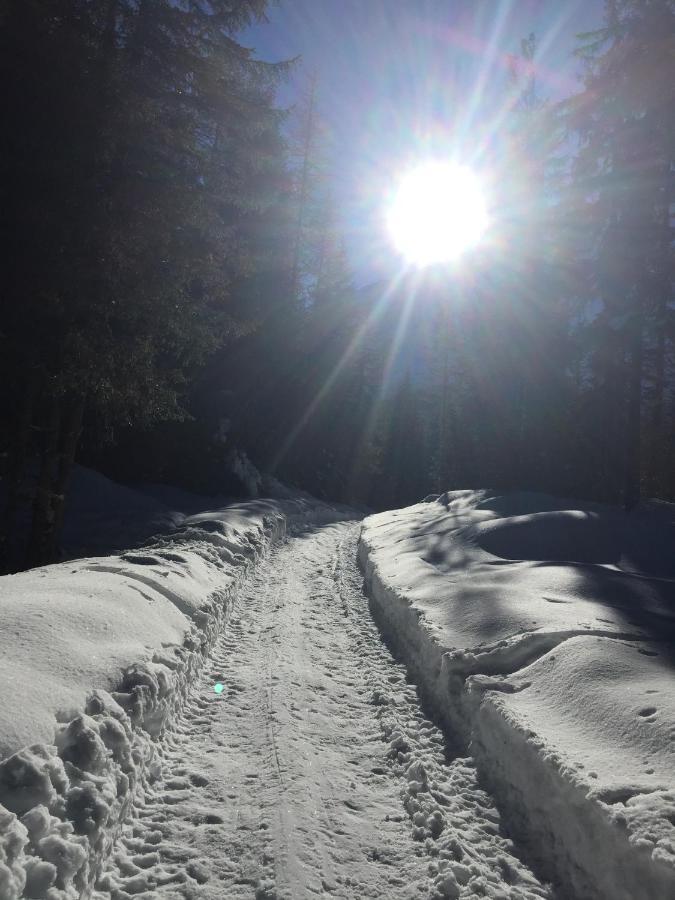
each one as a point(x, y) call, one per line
point(315, 772)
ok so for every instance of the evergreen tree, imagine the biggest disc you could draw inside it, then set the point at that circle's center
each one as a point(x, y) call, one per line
point(624, 192)
point(143, 153)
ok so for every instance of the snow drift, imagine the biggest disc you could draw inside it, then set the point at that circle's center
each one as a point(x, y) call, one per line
point(96, 656)
point(542, 631)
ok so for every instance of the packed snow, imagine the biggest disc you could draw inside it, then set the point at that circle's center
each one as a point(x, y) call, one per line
point(96, 657)
point(542, 631)
point(314, 772)
point(537, 632)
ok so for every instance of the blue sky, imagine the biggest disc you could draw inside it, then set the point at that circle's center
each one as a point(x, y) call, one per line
point(406, 78)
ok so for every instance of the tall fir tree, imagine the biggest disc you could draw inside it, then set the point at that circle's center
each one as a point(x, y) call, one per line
point(143, 152)
point(624, 191)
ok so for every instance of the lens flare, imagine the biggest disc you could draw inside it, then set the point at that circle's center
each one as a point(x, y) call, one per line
point(437, 213)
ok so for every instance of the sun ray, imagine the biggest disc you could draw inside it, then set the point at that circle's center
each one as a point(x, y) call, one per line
point(325, 388)
point(390, 361)
point(489, 54)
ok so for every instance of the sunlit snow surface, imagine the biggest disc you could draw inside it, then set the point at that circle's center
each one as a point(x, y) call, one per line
point(541, 631)
point(545, 629)
point(96, 656)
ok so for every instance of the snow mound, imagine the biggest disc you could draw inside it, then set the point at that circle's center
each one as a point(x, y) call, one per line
point(96, 658)
point(630, 543)
point(102, 516)
point(543, 631)
point(585, 734)
point(561, 536)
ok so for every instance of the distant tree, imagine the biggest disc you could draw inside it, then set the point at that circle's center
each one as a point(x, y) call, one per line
point(403, 479)
point(624, 192)
point(499, 345)
point(323, 420)
point(304, 155)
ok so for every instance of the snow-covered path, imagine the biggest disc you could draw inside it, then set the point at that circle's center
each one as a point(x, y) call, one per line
point(314, 772)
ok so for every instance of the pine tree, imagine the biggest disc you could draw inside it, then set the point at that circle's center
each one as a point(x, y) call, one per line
point(144, 152)
point(624, 190)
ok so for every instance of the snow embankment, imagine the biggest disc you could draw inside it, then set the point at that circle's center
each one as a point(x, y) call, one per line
point(543, 631)
point(96, 656)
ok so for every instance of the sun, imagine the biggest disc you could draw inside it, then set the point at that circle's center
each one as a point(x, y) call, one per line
point(437, 213)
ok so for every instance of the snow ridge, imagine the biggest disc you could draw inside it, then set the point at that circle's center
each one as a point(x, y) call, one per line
point(554, 710)
point(451, 815)
point(62, 804)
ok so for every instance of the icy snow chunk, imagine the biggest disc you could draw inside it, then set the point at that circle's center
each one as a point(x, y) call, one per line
point(446, 886)
point(37, 821)
point(40, 877)
point(80, 745)
point(13, 838)
point(32, 777)
point(67, 856)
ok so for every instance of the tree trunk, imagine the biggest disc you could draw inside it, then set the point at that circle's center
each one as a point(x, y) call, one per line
point(61, 438)
point(108, 44)
point(611, 434)
point(659, 382)
point(139, 35)
point(443, 416)
point(16, 468)
point(42, 522)
point(70, 436)
point(632, 460)
point(307, 140)
point(656, 460)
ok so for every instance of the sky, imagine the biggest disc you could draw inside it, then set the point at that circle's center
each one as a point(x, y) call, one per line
point(401, 80)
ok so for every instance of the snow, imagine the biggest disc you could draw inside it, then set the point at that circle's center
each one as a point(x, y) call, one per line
point(75, 626)
point(589, 734)
point(96, 657)
point(315, 771)
point(542, 631)
point(103, 517)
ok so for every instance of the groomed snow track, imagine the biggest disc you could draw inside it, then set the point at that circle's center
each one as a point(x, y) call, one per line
point(314, 773)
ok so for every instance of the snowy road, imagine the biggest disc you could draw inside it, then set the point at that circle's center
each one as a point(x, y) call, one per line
point(314, 772)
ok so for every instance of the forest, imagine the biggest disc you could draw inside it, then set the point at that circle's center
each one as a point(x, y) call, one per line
point(178, 290)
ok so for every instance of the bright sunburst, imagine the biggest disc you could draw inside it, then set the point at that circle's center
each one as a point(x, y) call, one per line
point(437, 213)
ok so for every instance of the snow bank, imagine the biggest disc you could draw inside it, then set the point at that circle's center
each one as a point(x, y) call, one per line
point(103, 516)
point(96, 656)
point(543, 633)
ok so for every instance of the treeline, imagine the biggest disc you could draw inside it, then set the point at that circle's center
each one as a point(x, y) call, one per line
point(548, 361)
point(176, 282)
point(145, 197)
